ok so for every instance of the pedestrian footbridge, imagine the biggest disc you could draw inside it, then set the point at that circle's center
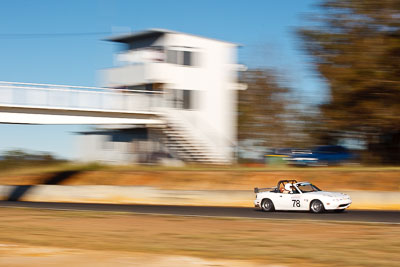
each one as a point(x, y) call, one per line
point(30, 103)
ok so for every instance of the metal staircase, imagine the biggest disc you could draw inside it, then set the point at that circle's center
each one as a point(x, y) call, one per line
point(185, 144)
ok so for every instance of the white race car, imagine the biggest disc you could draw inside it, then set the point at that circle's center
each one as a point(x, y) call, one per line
point(291, 195)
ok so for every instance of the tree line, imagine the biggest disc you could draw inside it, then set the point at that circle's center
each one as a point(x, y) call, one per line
point(354, 45)
point(19, 158)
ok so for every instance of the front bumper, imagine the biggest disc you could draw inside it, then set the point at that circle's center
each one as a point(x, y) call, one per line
point(338, 205)
point(257, 203)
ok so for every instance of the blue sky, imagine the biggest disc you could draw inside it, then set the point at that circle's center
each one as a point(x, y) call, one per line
point(265, 28)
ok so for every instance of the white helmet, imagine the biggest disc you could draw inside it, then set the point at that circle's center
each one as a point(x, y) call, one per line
point(288, 187)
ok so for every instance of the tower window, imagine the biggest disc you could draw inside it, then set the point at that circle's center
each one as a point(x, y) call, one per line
point(185, 58)
point(172, 56)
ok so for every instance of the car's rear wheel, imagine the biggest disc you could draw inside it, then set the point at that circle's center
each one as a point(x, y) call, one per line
point(267, 205)
point(316, 206)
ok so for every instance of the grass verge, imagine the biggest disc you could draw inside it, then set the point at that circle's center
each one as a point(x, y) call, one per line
point(296, 243)
point(198, 178)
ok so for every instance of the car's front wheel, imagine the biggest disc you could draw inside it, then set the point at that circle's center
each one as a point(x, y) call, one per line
point(267, 205)
point(316, 206)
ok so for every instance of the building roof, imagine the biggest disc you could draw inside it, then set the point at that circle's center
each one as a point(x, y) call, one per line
point(131, 37)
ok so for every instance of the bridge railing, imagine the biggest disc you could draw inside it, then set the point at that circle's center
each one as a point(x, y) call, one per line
point(78, 98)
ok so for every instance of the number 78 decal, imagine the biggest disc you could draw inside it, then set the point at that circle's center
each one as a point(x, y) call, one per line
point(296, 203)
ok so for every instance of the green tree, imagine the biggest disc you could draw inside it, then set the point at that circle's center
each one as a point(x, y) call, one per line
point(18, 158)
point(355, 47)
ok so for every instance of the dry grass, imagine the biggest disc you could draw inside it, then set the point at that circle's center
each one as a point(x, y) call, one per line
point(192, 177)
point(285, 242)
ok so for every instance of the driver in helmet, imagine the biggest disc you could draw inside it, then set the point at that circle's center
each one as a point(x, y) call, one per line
point(288, 189)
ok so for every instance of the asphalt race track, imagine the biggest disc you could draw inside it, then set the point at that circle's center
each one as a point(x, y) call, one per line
point(348, 215)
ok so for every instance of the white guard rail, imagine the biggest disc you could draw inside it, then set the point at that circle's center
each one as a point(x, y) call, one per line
point(14, 94)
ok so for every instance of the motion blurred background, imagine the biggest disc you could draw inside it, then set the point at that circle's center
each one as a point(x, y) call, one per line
point(195, 103)
point(329, 97)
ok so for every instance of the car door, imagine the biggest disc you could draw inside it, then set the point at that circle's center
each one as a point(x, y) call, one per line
point(292, 201)
point(283, 201)
point(298, 200)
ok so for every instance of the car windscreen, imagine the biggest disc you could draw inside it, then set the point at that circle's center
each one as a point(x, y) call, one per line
point(306, 188)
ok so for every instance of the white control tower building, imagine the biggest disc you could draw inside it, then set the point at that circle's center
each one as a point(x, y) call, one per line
point(194, 81)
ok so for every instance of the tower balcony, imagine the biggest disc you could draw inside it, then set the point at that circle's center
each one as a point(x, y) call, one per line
point(136, 74)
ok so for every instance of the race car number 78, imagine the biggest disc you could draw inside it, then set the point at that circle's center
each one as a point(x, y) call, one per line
point(296, 203)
